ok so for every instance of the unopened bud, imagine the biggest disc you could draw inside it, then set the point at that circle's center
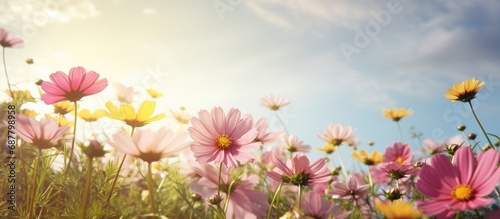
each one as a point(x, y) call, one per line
point(472, 136)
point(461, 127)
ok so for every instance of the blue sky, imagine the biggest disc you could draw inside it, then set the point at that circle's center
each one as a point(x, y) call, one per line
point(230, 53)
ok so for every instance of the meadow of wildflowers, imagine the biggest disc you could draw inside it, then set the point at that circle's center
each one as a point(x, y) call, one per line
point(222, 163)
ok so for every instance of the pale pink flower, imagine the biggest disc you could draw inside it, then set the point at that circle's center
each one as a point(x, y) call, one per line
point(316, 207)
point(379, 176)
point(244, 202)
point(433, 148)
point(293, 144)
point(267, 157)
point(298, 171)
point(352, 189)
point(72, 87)
point(337, 134)
point(123, 93)
point(150, 145)
point(460, 185)
point(223, 138)
point(398, 152)
point(42, 134)
point(263, 135)
point(274, 102)
point(9, 39)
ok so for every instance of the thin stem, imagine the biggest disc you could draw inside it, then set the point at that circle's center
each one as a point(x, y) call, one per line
point(400, 131)
point(226, 204)
point(151, 190)
point(480, 125)
point(281, 121)
point(342, 164)
point(74, 138)
point(299, 196)
point(86, 193)
point(467, 140)
point(370, 180)
point(116, 175)
point(278, 190)
point(34, 186)
point(218, 182)
point(114, 182)
point(7, 75)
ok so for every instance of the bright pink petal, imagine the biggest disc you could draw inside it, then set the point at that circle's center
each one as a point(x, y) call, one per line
point(61, 80)
point(466, 163)
point(76, 76)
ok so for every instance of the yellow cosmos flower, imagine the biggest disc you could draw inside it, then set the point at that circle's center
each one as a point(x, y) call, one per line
point(21, 95)
point(29, 113)
point(396, 114)
point(154, 93)
point(130, 116)
point(373, 159)
point(398, 210)
point(328, 148)
point(464, 91)
point(64, 107)
point(86, 115)
point(61, 120)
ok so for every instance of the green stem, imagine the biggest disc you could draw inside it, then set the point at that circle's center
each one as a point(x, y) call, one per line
point(341, 164)
point(74, 138)
point(151, 190)
point(7, 75)
point(281, 121)
point(299, 196)
point(86, 193)
point(226, 204)
point(400, 131)
point(34, 186)
point(480, 125)
point(219, 179)
point(276, 194)
point(467, 140)
point(116, 176)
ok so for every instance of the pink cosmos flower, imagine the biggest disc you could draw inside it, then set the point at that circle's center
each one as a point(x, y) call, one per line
point(293, 144)
point(263, 135)
point(397, 171)
point(9, 40)
point(274, 102)
point(123, 93)
point(78, 84)
point(350, 190)
point(316, 207)
point(460, 185)
point(298, 171)
point(267, 157)
point(223, 138)
point(398, 152)
point(433, 148)
point(41, 134)
point(337, 134)
point(244, 202)
point(150, 145)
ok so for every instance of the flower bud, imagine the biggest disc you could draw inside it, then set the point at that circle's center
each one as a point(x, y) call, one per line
point(215, 200)
point(93, 148)
point(461, 127)
point(472, 136)
point(393, 194)
point(451, 149)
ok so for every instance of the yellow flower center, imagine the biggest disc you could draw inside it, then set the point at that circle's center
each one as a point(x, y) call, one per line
point(462, 193)
point(400, 160)
point(223, 142)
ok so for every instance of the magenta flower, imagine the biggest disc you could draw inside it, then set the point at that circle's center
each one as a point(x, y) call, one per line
point(337, 134)
point(298, 171)
point(398, 152)
point(9, 40)
point(293, 144)
point(459, 185)
point(150, 145)
point(223, 138)
point(244, 202)
point(78, 84)
point(263, 135)
point(350, 190)
point(274, 102)
point(41, 134)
